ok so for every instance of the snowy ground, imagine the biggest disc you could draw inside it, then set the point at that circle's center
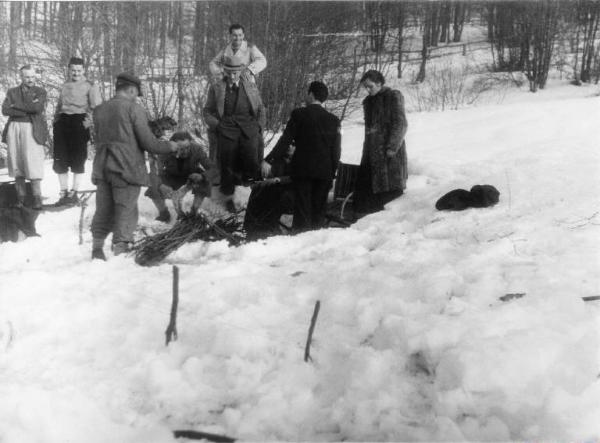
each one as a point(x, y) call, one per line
point(412, 342)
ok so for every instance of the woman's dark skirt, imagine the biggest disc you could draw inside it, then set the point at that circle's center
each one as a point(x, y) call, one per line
point(364, 200)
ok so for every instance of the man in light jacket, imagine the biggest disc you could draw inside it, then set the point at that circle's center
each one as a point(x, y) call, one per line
point(119, 171)
point(25, 134)
point(250, 56)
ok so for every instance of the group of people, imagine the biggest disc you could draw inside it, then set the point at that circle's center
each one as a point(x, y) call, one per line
point(308, 152)
point(26, 132)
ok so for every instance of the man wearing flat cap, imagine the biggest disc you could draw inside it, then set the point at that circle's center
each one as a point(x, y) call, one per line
point(234, 110)
point(119, 171)
point(78, 97)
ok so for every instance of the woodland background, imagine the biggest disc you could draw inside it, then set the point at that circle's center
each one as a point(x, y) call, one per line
point(169, 45)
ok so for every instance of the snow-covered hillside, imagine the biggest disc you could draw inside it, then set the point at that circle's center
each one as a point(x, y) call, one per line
point(412, 342)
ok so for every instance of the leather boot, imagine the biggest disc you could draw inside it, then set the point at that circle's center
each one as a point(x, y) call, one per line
point(21, 189)
point(121, 247)
point(97, 249)
point(164, 216)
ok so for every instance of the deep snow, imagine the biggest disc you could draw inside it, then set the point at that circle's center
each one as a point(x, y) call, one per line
point(412, 342)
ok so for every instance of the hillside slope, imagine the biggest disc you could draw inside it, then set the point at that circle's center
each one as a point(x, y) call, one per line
point(412, 342)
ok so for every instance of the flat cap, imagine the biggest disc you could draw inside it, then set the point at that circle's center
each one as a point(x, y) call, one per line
point(127, 79)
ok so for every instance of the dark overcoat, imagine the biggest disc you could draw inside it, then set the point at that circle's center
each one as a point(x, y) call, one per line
point(385, 128)
point(317, 135)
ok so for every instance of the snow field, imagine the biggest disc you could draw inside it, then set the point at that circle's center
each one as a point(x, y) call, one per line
point(412, 341)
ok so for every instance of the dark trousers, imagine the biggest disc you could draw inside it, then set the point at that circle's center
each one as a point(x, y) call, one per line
point(265, 207)
point(310, 203)
point(70, 143)
point(238, 159)
point(116, 210)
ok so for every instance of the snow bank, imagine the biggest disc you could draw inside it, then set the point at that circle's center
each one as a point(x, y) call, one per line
point(412, 342)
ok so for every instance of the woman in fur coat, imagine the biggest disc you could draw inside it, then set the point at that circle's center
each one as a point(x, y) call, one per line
point(383, 168)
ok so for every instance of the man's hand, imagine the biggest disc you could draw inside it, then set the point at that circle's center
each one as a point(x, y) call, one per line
point(247, 75)
point(265, 169)
point(390, 153)
point(87, 121)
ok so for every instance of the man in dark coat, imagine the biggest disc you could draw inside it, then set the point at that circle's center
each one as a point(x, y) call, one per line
point(235, 111)
point(25, 134)
point(269, 200)
point(119, 171)
point(317, 135)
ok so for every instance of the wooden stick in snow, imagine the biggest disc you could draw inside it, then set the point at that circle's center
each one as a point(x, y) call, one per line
point(591, 298)
point(197, 435)
point(171, 332)
point(313, 321)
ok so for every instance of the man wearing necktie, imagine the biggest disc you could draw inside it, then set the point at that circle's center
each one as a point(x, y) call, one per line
point(235, 111)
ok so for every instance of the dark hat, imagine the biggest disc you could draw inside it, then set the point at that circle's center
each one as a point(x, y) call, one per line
point(126, 79)
point(233, 63)
point(76, 61)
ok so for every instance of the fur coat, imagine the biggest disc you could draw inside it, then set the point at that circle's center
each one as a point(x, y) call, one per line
point(385, 128)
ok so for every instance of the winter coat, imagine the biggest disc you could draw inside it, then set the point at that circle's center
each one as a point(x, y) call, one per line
point(316, 133)
point(215, 103)
point(195, 160)
point(385, 128)
point(254, 60)
point(122, 136)
point(27, 104)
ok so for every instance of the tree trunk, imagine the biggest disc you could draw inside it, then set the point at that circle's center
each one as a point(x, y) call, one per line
point(428, 19)
point(180, 91)
point(107, 46)
point(198, 43)
point(12, 33)
point(459, 21)
point(400, 24)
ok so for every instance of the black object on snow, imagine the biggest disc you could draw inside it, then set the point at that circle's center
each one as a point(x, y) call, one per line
point(480, 196)
point(196, 435)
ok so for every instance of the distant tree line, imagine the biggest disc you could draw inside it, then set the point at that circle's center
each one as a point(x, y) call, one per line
point(171, 43)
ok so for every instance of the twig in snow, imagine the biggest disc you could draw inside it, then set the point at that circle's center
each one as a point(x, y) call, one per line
point(508, 188)
point(197, 435)
point(512, 296)
point(591, 298)
point(313, 321)
point(171, 332)
point(9, 335)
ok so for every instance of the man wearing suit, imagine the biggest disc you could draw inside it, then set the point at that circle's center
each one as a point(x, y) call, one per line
point(317, 135)
point(235, 111)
